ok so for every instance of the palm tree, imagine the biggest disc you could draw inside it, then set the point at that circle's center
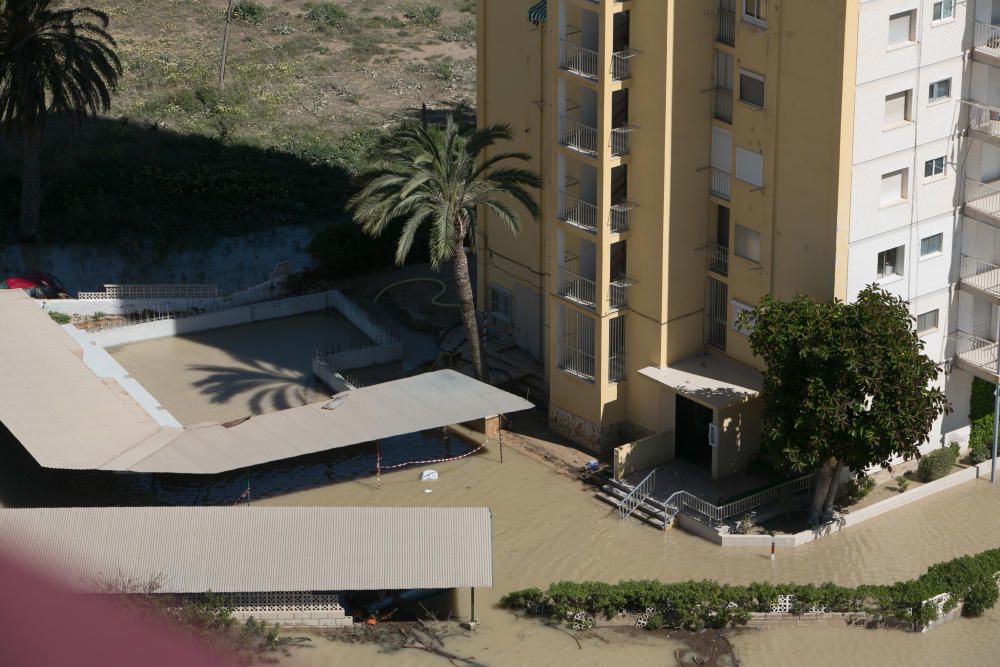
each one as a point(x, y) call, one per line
point(52, 61)
point(438, 178)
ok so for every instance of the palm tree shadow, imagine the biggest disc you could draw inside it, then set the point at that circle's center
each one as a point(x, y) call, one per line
point(263, 386)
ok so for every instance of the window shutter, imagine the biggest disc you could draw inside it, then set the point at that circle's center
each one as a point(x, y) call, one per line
point(749, 167)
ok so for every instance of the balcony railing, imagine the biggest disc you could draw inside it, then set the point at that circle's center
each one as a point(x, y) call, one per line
point(621, 214)
point(720, 183)
point(576, 288)
point(975, 351)
point(620, 140)
point(620, 67)
point(727, 27)
point(577, 212)
point(985, 119)
point(574, 360)
point(987, 39)
point(718, 259)
point(576, 135)
point(723, 105)
point(982, 197)
point(618, 293)
point(579, 60)
point(981, 275)
point(616, 366)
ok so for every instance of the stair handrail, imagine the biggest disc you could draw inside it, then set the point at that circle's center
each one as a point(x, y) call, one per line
point(637, 495)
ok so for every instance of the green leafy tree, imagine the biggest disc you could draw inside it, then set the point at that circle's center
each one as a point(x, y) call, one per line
point(845, 384)
point(438, 178)
point(53, 61)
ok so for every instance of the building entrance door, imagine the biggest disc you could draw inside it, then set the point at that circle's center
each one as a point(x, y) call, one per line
point(691, 432)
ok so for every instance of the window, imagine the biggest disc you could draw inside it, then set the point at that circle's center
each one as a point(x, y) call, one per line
point(749, 167)
point(747, 243)
point(939, 90)
point(902, 28)
point(934, 167)
point(927, 321)
point(943, 10)
point(894, 187)
point(739, 308)
point(752, 88)
point(500, 303)
point(755, 11)
point(931, 245)
point(898, 108)
point(890, 263)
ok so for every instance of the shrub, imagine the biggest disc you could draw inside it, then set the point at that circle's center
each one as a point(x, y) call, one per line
point(981, 439)
point(937, 464)
point(60, 318)
point(981, 596)
point(249, 11)
point(859, 487)
point(426, 16)
point(328, 14)
point(901, 483)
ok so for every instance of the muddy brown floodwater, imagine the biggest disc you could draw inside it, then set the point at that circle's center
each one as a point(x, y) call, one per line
point(546, 529)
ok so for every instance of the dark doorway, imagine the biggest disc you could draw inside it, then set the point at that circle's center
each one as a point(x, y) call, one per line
point(691, 432)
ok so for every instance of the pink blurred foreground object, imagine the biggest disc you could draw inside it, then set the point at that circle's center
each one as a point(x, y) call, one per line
point(42, 625)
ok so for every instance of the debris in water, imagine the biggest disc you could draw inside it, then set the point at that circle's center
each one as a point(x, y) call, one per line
point(428, 475)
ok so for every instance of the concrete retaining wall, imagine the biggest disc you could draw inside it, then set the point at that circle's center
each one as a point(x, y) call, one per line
point(643, 454)
point(363, 357)
point(90, 307)
point(298, 618)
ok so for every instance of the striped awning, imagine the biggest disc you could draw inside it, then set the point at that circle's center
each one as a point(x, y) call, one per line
point(539, 12)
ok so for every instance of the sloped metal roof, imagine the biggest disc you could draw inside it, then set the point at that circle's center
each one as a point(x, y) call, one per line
point(255, 549)
point(709, 379)
point(67, 417)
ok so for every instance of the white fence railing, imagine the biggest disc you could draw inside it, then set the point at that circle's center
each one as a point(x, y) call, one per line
point(987, 38)
point(983, 197)
point(576, 135)
point(579, 60)
point(577, 212)
point(980, 274)
point(721, 185)
point(637, 496)
point(974, 350)
point(685, 501)
point(577, 288)
point(983, 118)
point(621, 215)
point(621, 140)
point(178, 291)
point(574, 360)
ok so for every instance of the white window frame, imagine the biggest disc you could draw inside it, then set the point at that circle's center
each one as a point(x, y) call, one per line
point(752, 10)
point(937, 322)
point(899, 267)
point(907, 110)
point(943, 18)
point(932, 253)
point(763, 85)
point(501, 296)
point(911, 35)
point(935, 174)
point(940, 98)
point(738, 308)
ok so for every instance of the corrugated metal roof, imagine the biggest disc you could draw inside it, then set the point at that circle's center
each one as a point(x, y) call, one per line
point(256, 549)
point(67, 417)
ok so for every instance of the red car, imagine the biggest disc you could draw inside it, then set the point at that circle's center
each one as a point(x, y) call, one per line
point(39, 285)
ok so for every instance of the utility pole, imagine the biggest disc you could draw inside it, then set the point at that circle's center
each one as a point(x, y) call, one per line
point(225, 46)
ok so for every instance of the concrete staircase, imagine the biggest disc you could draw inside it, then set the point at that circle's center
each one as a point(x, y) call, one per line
point(650, 511)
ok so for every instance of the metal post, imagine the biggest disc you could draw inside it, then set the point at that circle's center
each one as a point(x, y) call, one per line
point(378, 464)
point(996, 412)
point(473, 616)
point(500, 435)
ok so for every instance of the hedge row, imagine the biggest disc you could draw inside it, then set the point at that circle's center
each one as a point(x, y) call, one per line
point(697, 604)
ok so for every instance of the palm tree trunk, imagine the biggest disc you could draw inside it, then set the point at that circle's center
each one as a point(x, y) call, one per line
point(468, 306)
point(31, 186)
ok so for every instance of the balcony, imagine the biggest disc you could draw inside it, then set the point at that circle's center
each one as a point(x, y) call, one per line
point(983, 198)
point(722, 105)
point(575, 361)
point(721, 184)
point(984, 119)
point(618, 293)
point(620, 140)
point(620, 64)
point(574, 287)
point(574, 134)
point(975, 355)
point(726, 29)
point(980, 275)
point(718, 259)
point(577, 212)
point(986, 39)
point(577, 59)
point(621, 214)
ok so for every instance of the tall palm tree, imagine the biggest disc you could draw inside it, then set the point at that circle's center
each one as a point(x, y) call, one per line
point(439, 177)
point(52, 61)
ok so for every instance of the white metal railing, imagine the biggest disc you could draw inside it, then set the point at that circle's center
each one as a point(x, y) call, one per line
point(984, 118)
point(723, 104)
point(980, 274)
point(577, 288)
point(576, 135)
point(620, 67)
point(577, 59)
point(621, 214)
point(983, 197)
point(987, 38)
point(727, 27)
point(166, 291)
point(620, 140)
point(683, 500)
point(577, 212)
point(637, 496)
point(574, 360)
point(720, 183)
point(975, 350)
point(616, 367)
point(617, 293)
point(718, 259)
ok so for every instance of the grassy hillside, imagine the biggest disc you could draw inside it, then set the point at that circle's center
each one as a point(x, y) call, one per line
point(309, 87)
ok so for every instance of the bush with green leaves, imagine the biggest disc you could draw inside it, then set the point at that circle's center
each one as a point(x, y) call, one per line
point(860, 486)
point(981, 417)
point(981, 441)
point(249, 11)
point(427, 16)
point(938, 463)
point(699, 604)
point(60, 318)
point(328, 14)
